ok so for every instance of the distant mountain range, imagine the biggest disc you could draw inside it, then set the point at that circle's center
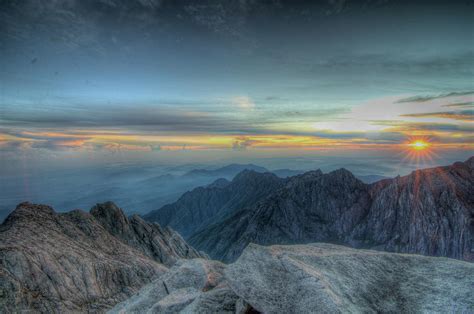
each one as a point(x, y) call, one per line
point(226, 171)
point(137, 189)
point(430, 212)
point(206, 204)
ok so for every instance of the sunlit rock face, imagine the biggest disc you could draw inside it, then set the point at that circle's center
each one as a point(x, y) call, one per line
point(429, 212)
point(80, 261)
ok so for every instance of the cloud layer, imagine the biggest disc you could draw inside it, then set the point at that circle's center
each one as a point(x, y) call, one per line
point(382, 122)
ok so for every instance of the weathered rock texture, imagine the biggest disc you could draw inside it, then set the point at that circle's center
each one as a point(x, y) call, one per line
point(191, 286)
point(161, 244)
point(313, 278)
point(429, 212)
point(79, 261)
point(324, 278)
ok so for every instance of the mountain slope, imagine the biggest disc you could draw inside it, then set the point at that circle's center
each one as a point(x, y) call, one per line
point(161, 244)
point(206, 205)
point(311, 207)
point(78, 261)
point(430, 212)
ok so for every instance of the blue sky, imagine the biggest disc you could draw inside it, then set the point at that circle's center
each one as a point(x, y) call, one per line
point(234, 79)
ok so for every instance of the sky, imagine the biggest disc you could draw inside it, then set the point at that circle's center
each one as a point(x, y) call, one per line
point(218, 81)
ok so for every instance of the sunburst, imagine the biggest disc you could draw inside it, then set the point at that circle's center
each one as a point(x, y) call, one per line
point(419, 145)
point(419, 150)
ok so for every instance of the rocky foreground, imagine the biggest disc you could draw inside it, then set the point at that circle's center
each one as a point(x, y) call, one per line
point(102, 260)
point(313, 278)
point(79, 261)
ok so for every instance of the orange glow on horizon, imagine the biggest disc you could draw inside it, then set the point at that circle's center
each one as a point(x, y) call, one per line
point(415, 147)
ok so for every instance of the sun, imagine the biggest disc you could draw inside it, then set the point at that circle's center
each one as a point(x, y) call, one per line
point(419, 150)
point(419, 145)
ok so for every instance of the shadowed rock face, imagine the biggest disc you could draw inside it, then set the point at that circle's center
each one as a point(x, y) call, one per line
point(430, 212)
point(161, 244)
point(313, 278)
point(205, 205)
point(79, 261)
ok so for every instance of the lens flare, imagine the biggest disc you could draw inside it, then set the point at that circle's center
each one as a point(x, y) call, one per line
point(419, 145)
point(419, 151)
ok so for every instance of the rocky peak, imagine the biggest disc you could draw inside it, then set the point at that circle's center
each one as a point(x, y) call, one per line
point(161, 244)
point(111, 217)
point(203, 205)
point(219, 183)
point(248, 176)
point(305, 178)
point(27, 211)
point(342, 174)
point(308, 175)
point(470, 162)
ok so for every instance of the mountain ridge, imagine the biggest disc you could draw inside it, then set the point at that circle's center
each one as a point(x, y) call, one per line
point(203, 205)
point(357, 205)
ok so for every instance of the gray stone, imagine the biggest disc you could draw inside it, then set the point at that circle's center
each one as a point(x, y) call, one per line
point(324, 278)
point(173, 291)
point(221, 299)
point(175, 301)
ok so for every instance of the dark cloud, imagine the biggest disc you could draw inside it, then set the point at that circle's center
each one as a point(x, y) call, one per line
point(434, 97)
point(460, 63)
point(424, 126)
point(315, 114)
point(214, 117)
point(134, 119)
point(462, 104)
point(464, 115)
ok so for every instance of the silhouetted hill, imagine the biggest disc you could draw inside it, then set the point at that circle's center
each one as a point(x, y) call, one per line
point(226, 171)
